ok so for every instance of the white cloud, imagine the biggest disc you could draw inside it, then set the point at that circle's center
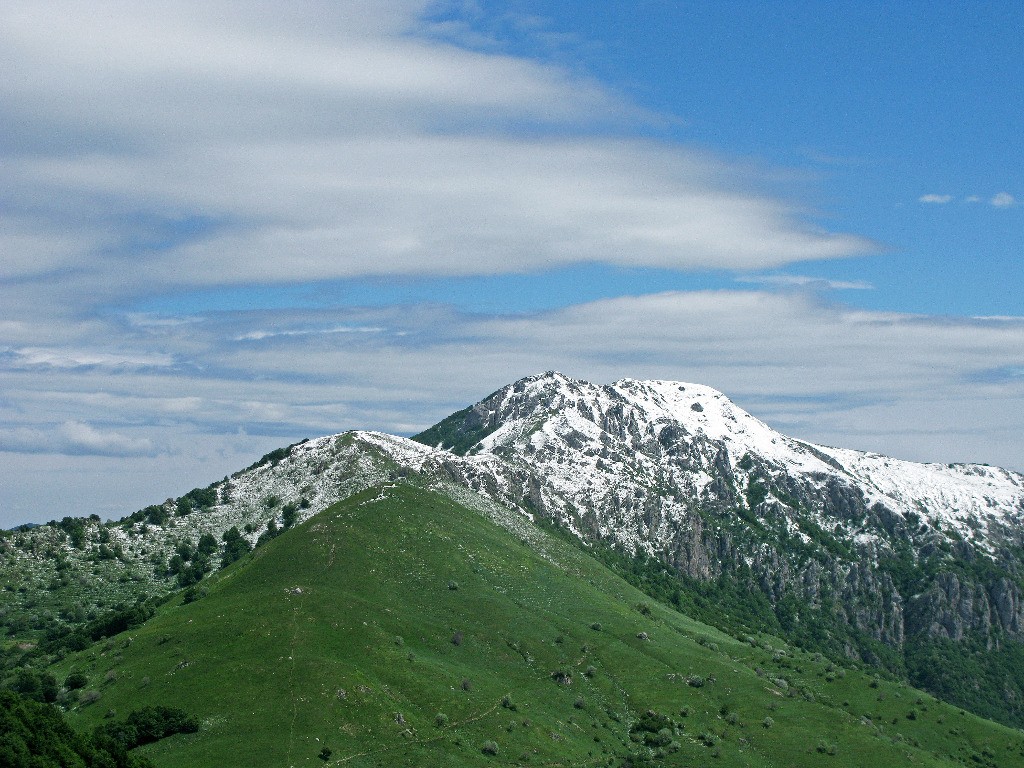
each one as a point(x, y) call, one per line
point(264, 334)
point(74, 438)
point(206, 144)
point(436, 205)
point(79, 437)
point(935, 199)
point(1003, 200)
point(86, 358)
point(806, 281)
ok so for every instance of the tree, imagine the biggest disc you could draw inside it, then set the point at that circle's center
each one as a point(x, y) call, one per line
point(38, 686)
point(226, 491)
point(146, 725)
point(175, 565)
point(235, 546)
point(207, 544)
point(156, 515)
point(35, 734)
point(75, 681)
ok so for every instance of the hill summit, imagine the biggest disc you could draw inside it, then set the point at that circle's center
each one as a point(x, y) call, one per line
point(401, 628)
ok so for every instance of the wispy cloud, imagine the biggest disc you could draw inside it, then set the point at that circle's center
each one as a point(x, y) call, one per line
point(999, 200)
point(79, 437)
point(199, 147)
point(74, 438)
point(259, 335)
point(806, 281)
point(38, 357)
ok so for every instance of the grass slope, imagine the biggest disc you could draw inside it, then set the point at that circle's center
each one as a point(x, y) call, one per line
point(398, 628)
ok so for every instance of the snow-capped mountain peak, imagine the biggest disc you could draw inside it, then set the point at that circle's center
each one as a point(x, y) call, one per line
point(593, 444)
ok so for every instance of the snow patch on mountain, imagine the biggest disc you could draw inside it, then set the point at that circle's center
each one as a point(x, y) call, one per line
point(595, 445)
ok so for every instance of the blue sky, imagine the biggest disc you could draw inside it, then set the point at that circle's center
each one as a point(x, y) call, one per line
point(227, 227)
point(870, 106)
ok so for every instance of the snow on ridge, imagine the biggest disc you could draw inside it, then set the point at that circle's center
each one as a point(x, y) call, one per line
point(961, 495)
point(703, 409)
point(401, 449)
point(700, 409)
point(594, 445)
point(565, 426)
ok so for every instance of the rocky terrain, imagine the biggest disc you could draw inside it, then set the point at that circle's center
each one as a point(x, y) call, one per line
point(860, 555)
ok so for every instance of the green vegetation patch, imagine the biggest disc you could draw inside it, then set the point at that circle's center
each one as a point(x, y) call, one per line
point(400, 628)
point(458, 432)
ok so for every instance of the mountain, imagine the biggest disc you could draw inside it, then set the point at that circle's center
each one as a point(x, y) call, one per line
point(677, 470)
point(401, 628)
point(893, 562)
point(915, 568)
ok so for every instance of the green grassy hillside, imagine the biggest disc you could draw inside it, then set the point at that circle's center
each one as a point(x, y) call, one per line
point(398, 628)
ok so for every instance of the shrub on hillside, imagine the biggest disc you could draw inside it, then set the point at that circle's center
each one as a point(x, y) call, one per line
point(561, 677)
point(146, 725)
point(193, 572)
point(75, 680)
point(193, 593)
point(271, 532)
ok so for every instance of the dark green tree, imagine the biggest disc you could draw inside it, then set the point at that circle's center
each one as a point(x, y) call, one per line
point(235, 546)
point(207, 544)
point(35, 735)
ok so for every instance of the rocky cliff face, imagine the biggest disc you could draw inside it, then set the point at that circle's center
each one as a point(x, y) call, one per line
point(679, 472)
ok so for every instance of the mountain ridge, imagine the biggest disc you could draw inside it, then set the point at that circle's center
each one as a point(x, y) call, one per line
point(847, 557)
